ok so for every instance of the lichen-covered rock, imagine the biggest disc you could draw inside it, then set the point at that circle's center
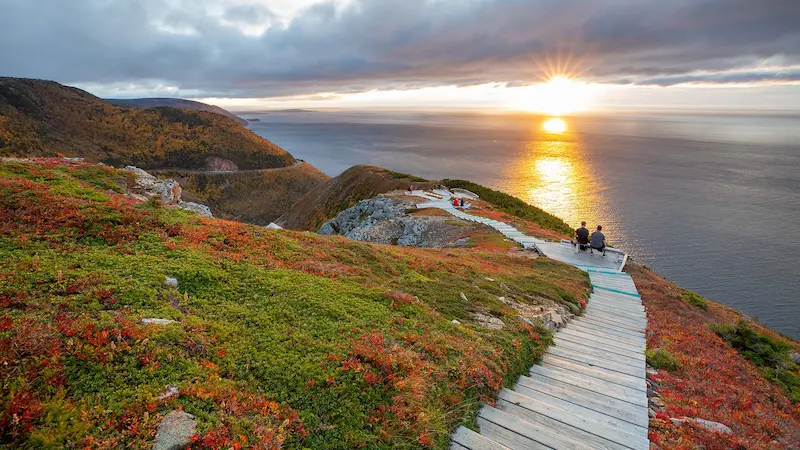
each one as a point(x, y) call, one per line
point(154, 321)
point(169, 191)
point(171, 282)
point(174, 431)
point(491, 322)
point(707, 424)
point(203, 210)
point(384, 220)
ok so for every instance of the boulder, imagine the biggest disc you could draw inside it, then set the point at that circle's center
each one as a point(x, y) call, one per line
point(171, 282)
point(795, 357)
point(153, 321)
point(203, 210)
point(174, 431)
point(456, 322)
point(707, 424)
point(169, 191)
point(491, 322)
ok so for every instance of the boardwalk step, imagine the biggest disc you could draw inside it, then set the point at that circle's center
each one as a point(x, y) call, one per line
point(619, 378)
point(600, 430)
point(635, 413)
point(466, 438)
point(630, 359)
point(599, 338)
point(589, 382)
point(597, 362)
point(519, 434)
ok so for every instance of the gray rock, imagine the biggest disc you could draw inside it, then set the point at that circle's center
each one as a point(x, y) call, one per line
point(488, 321)
point(171, 391)
point(489, 279)
point(651, 413)
point(174, 431)
point(463, 297)
point(650, 371)
point(656, 402)
point(455, 322)
point(171, 282)
point(152, 321)
point(168, 191)
point(274, 226)
point(795, 357)
point(203, 210)
point(707, 424)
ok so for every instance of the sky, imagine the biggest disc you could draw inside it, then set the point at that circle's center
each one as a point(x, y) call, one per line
point(258, 54)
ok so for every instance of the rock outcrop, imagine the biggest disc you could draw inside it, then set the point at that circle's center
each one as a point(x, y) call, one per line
point(168, 192)
point(174, 431)
point(385, 220)
point(215, 164)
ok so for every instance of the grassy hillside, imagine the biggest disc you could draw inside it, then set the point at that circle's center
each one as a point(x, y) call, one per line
point(257, 197)
point(281, 338)
point(354, 184)
point(717, 365)
point(147, 103)
point(44, 118)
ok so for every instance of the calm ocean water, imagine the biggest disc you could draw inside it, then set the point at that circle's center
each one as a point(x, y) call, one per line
point(711, 202)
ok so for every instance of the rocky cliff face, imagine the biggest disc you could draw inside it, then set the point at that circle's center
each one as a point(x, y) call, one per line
point(384, 220)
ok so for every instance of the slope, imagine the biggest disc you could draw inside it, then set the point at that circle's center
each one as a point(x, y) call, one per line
point(44, 118)
point(285, 339)
point(147, 103)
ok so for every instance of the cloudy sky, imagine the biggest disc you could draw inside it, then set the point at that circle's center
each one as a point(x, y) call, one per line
point(425, 53)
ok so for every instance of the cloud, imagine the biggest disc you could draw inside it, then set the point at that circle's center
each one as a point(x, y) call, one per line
point(239, 48)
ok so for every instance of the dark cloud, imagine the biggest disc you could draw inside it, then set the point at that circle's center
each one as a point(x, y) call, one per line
point(394, 44)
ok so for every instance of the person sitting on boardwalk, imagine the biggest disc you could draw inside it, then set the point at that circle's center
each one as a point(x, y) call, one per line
point(461, 203)
point(598, 240)
point(455, 202)
point(581, 237)
point(410, 188)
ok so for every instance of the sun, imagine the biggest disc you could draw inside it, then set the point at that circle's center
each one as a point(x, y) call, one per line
point(555, 125)
point(559, 96)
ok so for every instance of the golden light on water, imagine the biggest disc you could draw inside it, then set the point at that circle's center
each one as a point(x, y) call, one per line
point(554, 125)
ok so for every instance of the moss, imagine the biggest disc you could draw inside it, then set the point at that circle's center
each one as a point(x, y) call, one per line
point(695, 299)
point(661, 358)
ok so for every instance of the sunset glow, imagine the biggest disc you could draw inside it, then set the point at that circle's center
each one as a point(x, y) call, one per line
point(554, 125)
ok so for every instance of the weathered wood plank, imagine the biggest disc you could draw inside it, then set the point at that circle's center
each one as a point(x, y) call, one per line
point(593, 361)
point(609, 331)
point(524, 434)
point(631, 359)
point(474, 441)
point(593, 422)
point(570, 341)
point(592, 318)
point(597, 372)
point(633, 321)
point(624, 411)
point(600, 338)
point(598, 385)
point(618, 306)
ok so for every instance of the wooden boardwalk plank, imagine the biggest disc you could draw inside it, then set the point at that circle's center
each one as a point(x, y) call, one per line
point(633, 310)
point(619, 409)
point(591, 335)
point(634, 337)
point(519, 434)
point(597, 372)
point(607, 333)
point(634, 359)
point(615, 311)
point(589, 382)
point(569, 341)
point(474, 441)
point(599, 362)
point(598, 424)
point(637, 321)
point(611, 323)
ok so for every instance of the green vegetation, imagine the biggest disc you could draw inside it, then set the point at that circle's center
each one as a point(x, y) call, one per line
point(695, 299)
point(257, 197)
point(42, 118)
point(513, 206)
point(771, 354)
point(404, 176)
point(282, 339)
point(661, 358)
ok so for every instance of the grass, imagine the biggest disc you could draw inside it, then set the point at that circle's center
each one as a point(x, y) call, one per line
point(405, 176)
point(661, 358)
point(513, 206)
point(695, 299)
point(285, 339)
point(768, 353)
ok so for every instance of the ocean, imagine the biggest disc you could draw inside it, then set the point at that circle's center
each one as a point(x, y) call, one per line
point(710, 201)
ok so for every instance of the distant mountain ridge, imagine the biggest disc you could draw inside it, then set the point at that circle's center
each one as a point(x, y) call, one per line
point(45, 118)
point(148, 103)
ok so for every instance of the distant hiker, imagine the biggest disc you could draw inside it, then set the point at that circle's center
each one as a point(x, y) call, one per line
point(410, 188)
point(599, 240)
point(455, 202)
point(461, 202)
point(581, 237)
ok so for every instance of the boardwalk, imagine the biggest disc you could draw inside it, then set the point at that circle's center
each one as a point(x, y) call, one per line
point(589, 391)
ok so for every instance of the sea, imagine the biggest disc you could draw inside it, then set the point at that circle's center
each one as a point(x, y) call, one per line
point(710, 201)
